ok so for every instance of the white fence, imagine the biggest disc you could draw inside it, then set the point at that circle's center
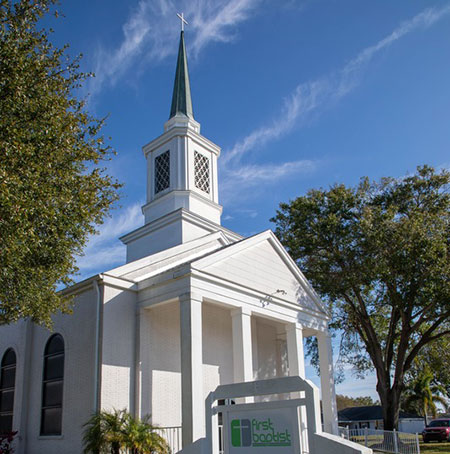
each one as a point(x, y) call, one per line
point(383, 440)
point(173, 437)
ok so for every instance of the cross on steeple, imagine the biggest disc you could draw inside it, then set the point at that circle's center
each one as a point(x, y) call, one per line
point(183, 21)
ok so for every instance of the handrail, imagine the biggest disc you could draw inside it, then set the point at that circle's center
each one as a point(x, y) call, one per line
point(173, 436)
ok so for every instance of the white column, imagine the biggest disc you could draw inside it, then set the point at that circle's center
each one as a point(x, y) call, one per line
point(296, 357)
point(242, 345)
point(296, 361)
point(192, 402)
point(255, 348)
point(329, 407)
point(281, 352)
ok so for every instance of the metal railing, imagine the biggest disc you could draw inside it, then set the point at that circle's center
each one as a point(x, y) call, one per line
point(383, 440)
point(173, 437)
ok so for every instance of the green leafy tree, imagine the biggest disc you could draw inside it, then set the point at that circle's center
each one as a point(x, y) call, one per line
point(378, 253)
point(53, 190)
point(117, 431)
point(421, 395)
point(436, 358)
point(346, 401)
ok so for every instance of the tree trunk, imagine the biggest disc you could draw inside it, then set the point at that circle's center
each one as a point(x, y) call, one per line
point(390, 403)
point(425, 414)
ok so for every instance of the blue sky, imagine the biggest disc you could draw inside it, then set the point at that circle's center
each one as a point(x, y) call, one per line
point(299, 94)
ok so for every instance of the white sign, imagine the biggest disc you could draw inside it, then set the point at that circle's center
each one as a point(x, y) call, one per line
point(262, 431)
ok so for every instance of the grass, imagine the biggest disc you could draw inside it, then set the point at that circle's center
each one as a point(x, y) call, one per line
point(435, 448)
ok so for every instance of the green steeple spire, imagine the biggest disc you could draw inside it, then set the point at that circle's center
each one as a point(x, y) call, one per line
point(181, 99)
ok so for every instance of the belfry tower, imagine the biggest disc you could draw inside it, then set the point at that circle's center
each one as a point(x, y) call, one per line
point(182, 182)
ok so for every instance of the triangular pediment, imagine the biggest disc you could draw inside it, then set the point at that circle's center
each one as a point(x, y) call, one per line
point(261, 263)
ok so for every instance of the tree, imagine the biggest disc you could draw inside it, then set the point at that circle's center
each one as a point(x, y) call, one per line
point(378, 254)
point(116, 431)
point(53, 190)
point(434, 357)
point(421, 395)
point(346, 401)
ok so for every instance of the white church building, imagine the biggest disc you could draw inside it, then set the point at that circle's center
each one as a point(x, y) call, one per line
point(195, 306)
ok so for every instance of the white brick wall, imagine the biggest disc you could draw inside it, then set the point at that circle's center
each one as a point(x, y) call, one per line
point(160, 365)
point(118, 349)
point(217, 348)
point(78, 332)
point(267, 354)
point(271, 352)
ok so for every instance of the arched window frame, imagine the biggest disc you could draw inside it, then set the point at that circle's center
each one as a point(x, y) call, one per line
point(7, 390)
point(52, 386)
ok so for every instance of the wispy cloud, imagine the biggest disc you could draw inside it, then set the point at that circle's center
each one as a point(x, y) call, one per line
point(309, 98)
point(215, 22)
point(253, 174)
point(112, 64)
point(104, 250)
point(300, 103)
point(237, 181)
point(150, 33)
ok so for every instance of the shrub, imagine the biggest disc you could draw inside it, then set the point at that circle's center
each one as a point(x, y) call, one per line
point(119, 432)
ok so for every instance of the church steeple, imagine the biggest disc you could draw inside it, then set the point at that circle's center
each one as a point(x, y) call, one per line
point(181, 98)
point(182, 182)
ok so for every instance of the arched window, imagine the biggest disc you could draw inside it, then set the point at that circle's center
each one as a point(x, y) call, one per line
point(7, 382)
point(52, 386)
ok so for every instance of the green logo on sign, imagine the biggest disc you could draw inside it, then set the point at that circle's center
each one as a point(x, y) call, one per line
point(241, 433)
point(257, 433)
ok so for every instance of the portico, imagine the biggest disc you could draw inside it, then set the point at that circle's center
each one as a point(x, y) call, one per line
point(214, 320)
